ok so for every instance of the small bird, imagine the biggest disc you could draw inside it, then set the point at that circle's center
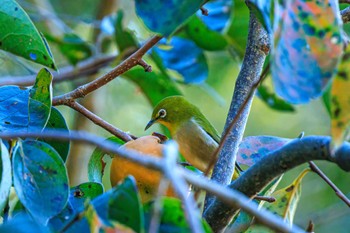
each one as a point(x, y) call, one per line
point(196, 137)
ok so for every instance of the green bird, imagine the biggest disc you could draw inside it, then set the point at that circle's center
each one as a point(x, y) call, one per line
point(196, 137)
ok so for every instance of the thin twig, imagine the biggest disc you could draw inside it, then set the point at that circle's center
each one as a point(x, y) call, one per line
point(84, 68)
point(181, 188)
point(204, 11)
point(126, 65)
point(263, 198)
point(158, 205)
point(235, 119)
point(277, 162)
point(230, 197)
point(337, 191)
point(233, 198)
point(311, 227)
point(99, 121)
point(145, 65)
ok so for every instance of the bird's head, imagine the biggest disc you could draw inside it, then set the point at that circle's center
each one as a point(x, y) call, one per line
point(172, 111)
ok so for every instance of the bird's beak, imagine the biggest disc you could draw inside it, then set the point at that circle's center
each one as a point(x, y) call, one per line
point(150, 123)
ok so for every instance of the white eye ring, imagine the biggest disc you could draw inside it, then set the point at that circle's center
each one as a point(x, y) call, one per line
point(162, 113)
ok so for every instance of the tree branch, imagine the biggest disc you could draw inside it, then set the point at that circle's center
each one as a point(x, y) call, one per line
point(233, 198)
point(337, 191)
point(250, 183)
point(253, 180)
point(126, 65)
point(181, 188)
point(84, 68)
point(256, 51)
point(99, 121)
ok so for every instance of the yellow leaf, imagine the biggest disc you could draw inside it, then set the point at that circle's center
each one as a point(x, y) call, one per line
point(285, 205)
point(340, 101)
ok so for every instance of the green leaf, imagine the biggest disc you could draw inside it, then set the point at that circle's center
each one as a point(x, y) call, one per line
point(172, 218)
point(165, 16)
point(241, 223)
point(19, 36)
point(96, 164)
point(326, 98)
point(121, 204)
point(72, 47)
point(57, 122)
point(124, 38)
point(125, 205)
point(340, 101)
point(204, 37)
point(262, 10)
point(79, 197)
point(6, 176)
point(40, 179)
point(84, 192)
point(26, 110)
point(40, 97)
point(238, 29)
point(155, 86)
point(273, 101)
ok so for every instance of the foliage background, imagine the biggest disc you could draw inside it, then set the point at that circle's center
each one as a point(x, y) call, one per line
point(122, 104)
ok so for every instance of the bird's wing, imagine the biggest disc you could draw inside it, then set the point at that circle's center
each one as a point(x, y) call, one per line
point(211, 131)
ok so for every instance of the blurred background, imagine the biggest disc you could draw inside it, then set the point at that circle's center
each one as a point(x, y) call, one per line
point(123, 104)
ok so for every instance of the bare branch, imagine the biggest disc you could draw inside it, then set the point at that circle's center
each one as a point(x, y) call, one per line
point(337, 191)
point(99, 121)
point(253, 180)
point(263, 198)
point(248, 79)
point(126, 65)
point(181, 188)
point(204, 11)
point(232, 198)
point(311, 227)
point(157, 206)
point(145, 66)
point(84, 68)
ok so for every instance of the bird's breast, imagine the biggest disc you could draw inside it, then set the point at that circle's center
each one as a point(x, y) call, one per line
point(196, 145)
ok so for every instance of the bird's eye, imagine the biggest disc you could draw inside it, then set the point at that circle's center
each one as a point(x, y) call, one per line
point(162, 113)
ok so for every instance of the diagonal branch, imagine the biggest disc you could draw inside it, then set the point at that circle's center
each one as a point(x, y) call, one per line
point(181, 188)
point(232, 198)
point(126, 65)
point(99, 121)
point(337, 191)
point(293, 154)
point(228, 201)
point(249, 76)
point(84, 68)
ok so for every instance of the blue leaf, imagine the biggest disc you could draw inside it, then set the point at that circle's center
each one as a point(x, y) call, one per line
point(219, 13)
point(165, 16)
point(185, 58)
point(40, 179)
